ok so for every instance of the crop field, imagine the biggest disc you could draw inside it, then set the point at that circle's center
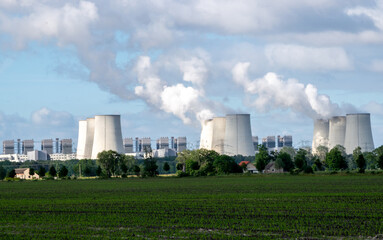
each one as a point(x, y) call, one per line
point(231, 207)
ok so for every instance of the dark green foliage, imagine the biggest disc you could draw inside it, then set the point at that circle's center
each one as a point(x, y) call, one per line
point(109, 162)
point(63, 172)
point(380, 161)
point(123, 168)
point(52, 171)
point(318, 163)
point(245, 207)
point(11, 173)
point(179, 166)
point(41, 172)
point(150, 168)
point(361, 163)
point(335, 159)
point(3, 173)
point(136, 170)
point(300, 160)
point(224, 164)
point(284, 161)
point(262, 158)
point(308, 169)
point(98, 171)
point(31, 171)
point(166, 167)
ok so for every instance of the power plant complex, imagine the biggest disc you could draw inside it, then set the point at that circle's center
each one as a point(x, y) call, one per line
point(350, 131)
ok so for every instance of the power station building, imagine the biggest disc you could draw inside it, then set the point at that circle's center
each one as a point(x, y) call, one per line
point(350, 131)
point(230, 135)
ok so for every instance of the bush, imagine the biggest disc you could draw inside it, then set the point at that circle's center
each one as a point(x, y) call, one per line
point(181, 174)
point(308, 169)
point(124, 175)
point(295, 171)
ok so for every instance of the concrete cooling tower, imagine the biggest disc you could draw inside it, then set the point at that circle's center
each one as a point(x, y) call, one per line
point(238, 137)
point(218, 141)
point(358, 133)
point(337, 131)
point(89, 138)
point(107, 134)
point(81, 139)
point(206, 134)
point(320, 135)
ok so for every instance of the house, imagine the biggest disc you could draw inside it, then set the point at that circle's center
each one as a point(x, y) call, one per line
point(271, 168)
point(249, 167)
point(23, 173)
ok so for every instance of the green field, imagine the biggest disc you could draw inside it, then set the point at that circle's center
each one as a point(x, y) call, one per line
point(232, 207)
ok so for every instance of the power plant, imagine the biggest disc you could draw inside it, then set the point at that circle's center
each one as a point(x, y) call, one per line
point(350, 131)
point(103, 132)
point(230, 135)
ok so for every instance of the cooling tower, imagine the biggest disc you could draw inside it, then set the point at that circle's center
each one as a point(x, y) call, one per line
point(358, 133)
point(89, 138)
point(219, 127)
point(238, 137)
point(107, 134)
point(206, 134)
point(320, 135)
point(337, 131)
point(82, 124)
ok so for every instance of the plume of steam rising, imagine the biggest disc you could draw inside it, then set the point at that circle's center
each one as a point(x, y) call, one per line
point(185, 102)
point(274, 92)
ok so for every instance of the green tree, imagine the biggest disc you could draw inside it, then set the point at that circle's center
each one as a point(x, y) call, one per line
point(300, 160)
point(109, 162)
point(166, 167)
point(99, 171)
point(52, 171)
point(87, 171)
point(355, 155)
point(371, 160)
point(41, 172)
point(284, 161)
point(3, 173)
point(321, 152)
point(136, 170)
point(262, 158)
point(380, 161)
point(361, 163)
point(63, 172)
point(318, 163)
point(150, 167)
point(335, 160)
point(225, 164)
point(11, 173)
point(124, 168)
point(31, 171)
point(289, 150)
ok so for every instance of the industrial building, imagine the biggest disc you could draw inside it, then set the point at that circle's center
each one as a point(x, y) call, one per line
point(255, 142)
point(162, 143)
point(269, 142)
point(47, 145)
point(9, 147)
point(230, 135)
point(28, 146)
point(128, 145)
point(350, 131)
point(180, 144)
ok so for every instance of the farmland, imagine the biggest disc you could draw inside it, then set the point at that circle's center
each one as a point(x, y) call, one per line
point(236, 207)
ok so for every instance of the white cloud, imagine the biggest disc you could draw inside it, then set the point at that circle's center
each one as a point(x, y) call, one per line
point(375, 14)
point(307, 58)
point(46, 117)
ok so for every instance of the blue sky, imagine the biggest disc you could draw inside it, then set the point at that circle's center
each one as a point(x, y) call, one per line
point(166, 65)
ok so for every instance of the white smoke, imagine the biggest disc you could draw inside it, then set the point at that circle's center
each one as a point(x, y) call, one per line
point(185, 102)
point(272, 92)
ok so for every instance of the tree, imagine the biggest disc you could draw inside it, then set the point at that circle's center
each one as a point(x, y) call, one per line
point(109, 161)
point(123, 168)
point(321, 152)
point(361, 163)
point(284, 161)
point(136, 170)
point(300, 160)
point(380, 161)
point(225, 164)
point(318, 163)
point(261, 158)
point(41, 172)
point(52, 171)
point(3, 173)
point(355, 155)
point(31, 171)
point(335, 160)
point(166, 167)
point(150, 167)
point(63, 172)
point(98, 171)
point(11, 173)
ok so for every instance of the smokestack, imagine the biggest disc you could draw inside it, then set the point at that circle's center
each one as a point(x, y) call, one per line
point(107, 134)
point(358, 133)
point(337, 131)
point(321, 132)
point(219, 129)
point(238, 137)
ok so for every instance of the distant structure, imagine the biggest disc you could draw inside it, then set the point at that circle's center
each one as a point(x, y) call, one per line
point(47, 145)
point(350, 131)
point(103, 132)
point(269, 142)
point(28, 146)
point(285, 141)
point(162, 143)
point(255, 142)
point(128, 145)
point(66, 146)
point(180, 144)
point(37, 155)
point(9, 147)
point(229, 135)
point(320, 135)
point(145, 145)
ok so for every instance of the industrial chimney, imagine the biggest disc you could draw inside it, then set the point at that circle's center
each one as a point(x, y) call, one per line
point(337, 131)
point(358, 133)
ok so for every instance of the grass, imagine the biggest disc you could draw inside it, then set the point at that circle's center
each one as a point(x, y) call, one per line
point(227, 207)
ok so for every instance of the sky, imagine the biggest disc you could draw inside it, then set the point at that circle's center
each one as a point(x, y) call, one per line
point(168, 65)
